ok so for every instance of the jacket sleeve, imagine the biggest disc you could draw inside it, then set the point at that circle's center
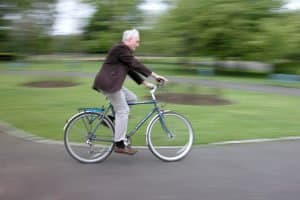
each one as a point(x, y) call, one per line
point(135, 76)
point(126, 57)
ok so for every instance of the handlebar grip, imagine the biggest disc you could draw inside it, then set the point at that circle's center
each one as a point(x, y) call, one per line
point(160, 82)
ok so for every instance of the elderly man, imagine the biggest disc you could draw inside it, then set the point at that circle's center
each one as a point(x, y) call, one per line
point(119, 63)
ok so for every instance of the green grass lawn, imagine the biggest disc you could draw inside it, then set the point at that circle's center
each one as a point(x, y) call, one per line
point(43, 112)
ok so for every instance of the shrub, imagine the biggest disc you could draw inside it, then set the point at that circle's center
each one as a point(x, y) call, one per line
point(7, 56)
point(287, 67)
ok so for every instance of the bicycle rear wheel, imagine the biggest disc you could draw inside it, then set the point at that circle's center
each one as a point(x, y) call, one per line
point(88, 137)
point(170, 137)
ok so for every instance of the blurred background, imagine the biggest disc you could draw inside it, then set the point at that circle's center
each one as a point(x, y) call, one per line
point(264, 30)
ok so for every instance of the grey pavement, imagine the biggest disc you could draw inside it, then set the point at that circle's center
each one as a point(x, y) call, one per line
point(257, 171)
point(205, 82)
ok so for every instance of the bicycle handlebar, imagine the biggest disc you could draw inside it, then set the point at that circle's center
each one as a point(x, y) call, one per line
point(158, 84)
point(152, 91)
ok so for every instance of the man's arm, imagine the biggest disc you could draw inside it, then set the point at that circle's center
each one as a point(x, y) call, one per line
point(126, 57)
point(135, 76)
point(135, 66)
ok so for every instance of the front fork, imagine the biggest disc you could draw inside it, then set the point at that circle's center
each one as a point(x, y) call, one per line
point(163, 124)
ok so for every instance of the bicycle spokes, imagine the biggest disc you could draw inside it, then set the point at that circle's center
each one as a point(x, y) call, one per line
point(169, 136)
point(88, 137)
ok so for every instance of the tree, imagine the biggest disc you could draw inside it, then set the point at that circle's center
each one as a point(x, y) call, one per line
point(25, 25)
point(3, 28)
point(219, 28)
point(106, 25)
point(289, 29)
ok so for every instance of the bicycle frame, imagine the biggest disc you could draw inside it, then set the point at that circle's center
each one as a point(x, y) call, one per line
point(144, 119)
point(155, 109)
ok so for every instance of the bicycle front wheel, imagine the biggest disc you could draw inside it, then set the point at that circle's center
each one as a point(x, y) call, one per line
point(88, 137)
point(170, 136)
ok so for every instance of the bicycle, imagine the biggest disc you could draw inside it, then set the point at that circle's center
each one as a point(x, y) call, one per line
point(88, 135)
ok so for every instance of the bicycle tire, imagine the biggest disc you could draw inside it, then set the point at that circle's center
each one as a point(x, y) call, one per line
point(162, 145)
point(88, 137)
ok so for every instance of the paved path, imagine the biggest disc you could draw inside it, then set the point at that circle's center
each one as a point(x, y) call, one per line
point(260, 171)
point(209, 83)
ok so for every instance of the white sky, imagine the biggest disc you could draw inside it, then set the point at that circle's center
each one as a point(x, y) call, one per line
point(69, 15)
point(153, 6)
point(293, 4)
point(71, 12)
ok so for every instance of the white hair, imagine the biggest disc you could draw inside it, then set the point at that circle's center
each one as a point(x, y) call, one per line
point(130, 33)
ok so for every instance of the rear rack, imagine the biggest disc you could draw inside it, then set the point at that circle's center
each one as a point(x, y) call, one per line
point(90, 109)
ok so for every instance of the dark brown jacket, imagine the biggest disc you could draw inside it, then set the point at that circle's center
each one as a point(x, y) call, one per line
point(119, 63)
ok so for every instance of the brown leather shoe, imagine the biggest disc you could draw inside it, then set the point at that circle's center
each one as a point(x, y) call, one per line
point(125, 150)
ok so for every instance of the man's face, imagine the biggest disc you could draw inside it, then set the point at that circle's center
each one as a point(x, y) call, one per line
point(134, 42)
